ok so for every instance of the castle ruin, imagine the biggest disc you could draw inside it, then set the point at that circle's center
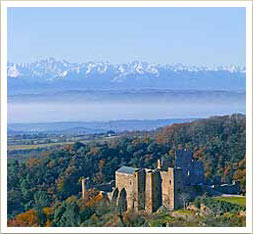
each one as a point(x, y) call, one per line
point(149, 189)
point(164, 186)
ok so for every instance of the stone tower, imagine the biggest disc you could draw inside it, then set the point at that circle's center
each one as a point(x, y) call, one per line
point(172, 186)
point(133, 181)
point(125, 177)
point(153, 190)
point(139, 183)
point(193, 171)
point(84, 190)
point(177, 187)
point(159, 164)
point(184, 160)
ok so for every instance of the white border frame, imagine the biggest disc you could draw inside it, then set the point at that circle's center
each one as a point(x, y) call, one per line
point(6, 4)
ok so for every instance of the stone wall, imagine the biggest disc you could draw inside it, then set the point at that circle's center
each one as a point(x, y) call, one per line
point(170, 188)
point(150, 188)
point(157, 190)
point(166, 184)
point(178, 187)
point(126, 181)
point(198, 170)
point(149, 202)
point(153, 190)
point(234, 188)
point(193, 171)
point(139, 189)
point(184, 160)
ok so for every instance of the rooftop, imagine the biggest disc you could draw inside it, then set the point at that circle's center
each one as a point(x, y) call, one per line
point(127, 170)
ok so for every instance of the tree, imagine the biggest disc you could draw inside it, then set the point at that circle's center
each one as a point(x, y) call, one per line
point(184, 197)
point(41, 199)
point(67, 214)
point(28, 219)
point(77, 146)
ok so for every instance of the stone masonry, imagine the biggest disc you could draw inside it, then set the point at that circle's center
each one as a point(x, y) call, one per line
point(165, 186)
point(149, 189)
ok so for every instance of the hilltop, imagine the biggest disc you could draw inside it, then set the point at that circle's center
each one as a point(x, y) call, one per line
point(219, 142)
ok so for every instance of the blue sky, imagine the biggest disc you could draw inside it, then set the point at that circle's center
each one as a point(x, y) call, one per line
point(193, 36)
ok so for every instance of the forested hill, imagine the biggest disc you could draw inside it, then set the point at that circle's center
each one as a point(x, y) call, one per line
point(44, 182)
point(220, 142)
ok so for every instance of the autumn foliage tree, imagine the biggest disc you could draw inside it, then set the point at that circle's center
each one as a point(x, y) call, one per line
point(29, 218)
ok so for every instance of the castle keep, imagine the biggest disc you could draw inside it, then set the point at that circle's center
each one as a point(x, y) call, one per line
point(149, 189)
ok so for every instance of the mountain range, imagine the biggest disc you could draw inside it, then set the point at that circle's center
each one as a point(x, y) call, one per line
point(92, 127)
point(52, 74)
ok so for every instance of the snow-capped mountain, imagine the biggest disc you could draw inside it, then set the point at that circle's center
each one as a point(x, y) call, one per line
point(49, 69)
point(137, 74)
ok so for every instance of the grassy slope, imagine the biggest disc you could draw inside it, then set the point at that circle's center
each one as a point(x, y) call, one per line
point(235, 200)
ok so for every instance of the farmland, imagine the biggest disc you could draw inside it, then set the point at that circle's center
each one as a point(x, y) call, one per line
point(23, 146)
point(239, 200)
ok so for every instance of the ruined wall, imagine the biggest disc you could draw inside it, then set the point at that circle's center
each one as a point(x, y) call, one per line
point(113, 196)
point(166, 184)
point(157, 190)
point(169, 178)
point(126, 181)
point(234, 188)
point(178, 188)
point(153, 190)
point(184, 160)
point(198, 170)
point(139, 189)
point(149, 203)
point(172, 187)
point(150, 188)
point(193, 171)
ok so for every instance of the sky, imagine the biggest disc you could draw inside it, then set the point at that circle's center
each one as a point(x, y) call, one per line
point(192, 36)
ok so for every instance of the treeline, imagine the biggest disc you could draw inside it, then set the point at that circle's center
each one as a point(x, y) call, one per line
point(99, 212)
point(44, 182)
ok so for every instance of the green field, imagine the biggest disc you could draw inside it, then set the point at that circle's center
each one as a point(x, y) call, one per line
point(37, 146)
point(235, 200)
point(24, 147)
